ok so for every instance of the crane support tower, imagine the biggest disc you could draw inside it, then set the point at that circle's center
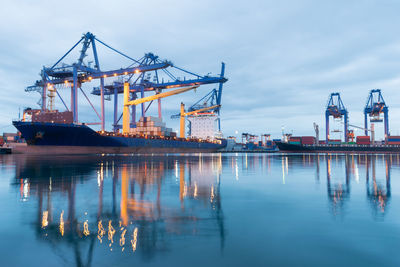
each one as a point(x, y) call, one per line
point(336, 109)
point(374, 107)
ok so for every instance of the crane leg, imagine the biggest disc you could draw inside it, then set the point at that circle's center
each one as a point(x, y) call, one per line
point(125, 113)
point(115, 110)
point(386, 118)
point(327, 127)
point(182, 122)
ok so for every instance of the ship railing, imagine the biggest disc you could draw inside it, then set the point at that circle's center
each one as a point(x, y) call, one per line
point(159, 137)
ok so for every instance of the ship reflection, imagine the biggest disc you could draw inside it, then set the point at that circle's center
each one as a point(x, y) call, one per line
point(130, 208)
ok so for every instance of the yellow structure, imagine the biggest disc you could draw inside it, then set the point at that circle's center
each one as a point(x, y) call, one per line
point(184, 114)
point(127, 103)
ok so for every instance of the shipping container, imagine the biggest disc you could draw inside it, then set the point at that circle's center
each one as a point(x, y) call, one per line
point(294, 142)
point(334, 142)
point(307, 140)
point(393, 139)
point(363, 140)
point(393, 142)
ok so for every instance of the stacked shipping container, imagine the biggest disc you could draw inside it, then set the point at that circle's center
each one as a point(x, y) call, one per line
point(334, 141)
point(295, 140)
point(363, 140)
point(53, 116)
point(152, 126)
point(393, 140)
point(307, 140)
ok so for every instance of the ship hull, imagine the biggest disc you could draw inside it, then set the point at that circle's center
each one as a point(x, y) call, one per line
point(52, 138)
point(294, 148)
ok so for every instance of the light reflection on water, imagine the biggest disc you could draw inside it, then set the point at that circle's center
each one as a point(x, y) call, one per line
point(214, 209)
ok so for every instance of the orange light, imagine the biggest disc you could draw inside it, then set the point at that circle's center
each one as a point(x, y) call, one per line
point(126, 73)
point(105, 76)
point(115, 74)
point(136, 71)
point(90, 78)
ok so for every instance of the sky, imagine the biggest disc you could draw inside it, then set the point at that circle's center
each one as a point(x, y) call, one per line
point(283, 58)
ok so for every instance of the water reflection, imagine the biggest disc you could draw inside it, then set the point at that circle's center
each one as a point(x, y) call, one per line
point(90, 207)
point(341, 169)
point(136, 216)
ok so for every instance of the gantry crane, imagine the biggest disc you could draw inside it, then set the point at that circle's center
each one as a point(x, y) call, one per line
point(152, 81)
point(374, 107)
point(183, 114)
point(138, 74)
point(211, 102)
point(127, 102)
point(336, 109)
point(265, 138)
point(250, 138)
point(75, 74)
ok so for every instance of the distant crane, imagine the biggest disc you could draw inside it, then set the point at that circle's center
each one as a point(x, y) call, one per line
point(374, 107)
point(316, 128)
point(250, 138)
point(336, 109)
point(265, 138)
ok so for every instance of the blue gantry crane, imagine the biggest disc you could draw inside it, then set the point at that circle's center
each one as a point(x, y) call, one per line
point(213, 98)
point(336, 109)
point(374, 107)
point(153, 81)
point(210, 103)
point(144, 75)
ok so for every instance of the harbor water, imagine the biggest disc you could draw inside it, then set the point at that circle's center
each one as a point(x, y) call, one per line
point(200, 210)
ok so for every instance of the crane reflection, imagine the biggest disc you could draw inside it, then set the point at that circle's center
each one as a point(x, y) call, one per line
point(344, 169)
point(378, 190)
point(139, 215)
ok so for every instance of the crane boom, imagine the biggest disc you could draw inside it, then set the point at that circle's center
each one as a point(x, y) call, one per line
point(200, 110)
point(160, 95)
point(358, 127)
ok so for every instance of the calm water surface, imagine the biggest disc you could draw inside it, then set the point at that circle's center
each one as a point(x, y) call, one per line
point(200, 210)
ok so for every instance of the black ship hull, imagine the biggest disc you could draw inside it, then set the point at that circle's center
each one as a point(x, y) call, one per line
point(53, 138)
point(294, 148)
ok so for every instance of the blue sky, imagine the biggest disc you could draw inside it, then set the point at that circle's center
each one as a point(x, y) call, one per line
point(283, 58)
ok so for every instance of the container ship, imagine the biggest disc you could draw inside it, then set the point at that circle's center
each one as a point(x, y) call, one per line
point(54, 137)
point(363, 144)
